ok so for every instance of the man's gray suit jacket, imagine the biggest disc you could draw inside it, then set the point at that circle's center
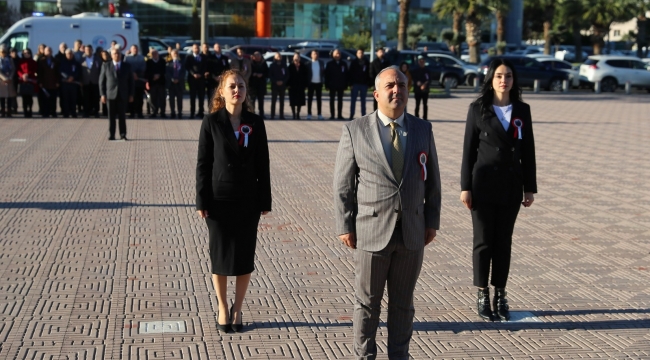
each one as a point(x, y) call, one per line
point(367, 197)
point(112, 83)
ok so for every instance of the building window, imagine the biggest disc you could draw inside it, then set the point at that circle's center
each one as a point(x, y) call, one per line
point(617, 32)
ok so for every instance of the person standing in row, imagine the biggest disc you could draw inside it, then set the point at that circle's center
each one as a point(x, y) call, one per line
point(218, 64)
point(336, 81)
point(78, 56)
point(196, 67)
point(207, 76)
point(232, 144)
point(91, 67)
point(139, 66)
point(257, 82)
point(315, 86)
point(242, 64)
point(360, 79)
point(387, 208)
point(70, 80)
point(297, 83)
point(175, 81)
point(27, 76)
point(7, 90)
point(48, 82)
point(155, 75)
point(377, 65)
point(279, 76)
point(13, 54)
point(421, 87)
point(498, 175)
point(116, 88)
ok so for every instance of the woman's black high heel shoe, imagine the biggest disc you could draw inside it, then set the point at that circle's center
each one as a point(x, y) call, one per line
point(237, 327)
point(225, 327)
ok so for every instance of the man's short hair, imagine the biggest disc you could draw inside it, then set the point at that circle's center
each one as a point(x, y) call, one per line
point(68, 51)
point(174, 51)
point(135, 46)
point(89, 46)
point(78, 41)
point(392, 67)
point(115, 49)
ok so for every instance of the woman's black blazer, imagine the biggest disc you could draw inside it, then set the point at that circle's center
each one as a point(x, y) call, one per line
point(227, 171)
point(498, 167)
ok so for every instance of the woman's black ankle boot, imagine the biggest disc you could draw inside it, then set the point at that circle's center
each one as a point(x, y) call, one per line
point(483, 304)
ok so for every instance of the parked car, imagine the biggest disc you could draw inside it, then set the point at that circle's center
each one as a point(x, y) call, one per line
point(529, 70)
point(440, 72)
point(287, 57)
point(564, 66)
point(527, 51)
point(311, 45)
point(614, 71)
point(469, 71)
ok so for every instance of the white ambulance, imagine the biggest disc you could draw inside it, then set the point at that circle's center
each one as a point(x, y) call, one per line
point(91, 28)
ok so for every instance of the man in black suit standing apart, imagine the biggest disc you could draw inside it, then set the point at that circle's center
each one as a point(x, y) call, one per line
point(116, 88)
point(336, 80)
point(196, 65)
point(421, 87)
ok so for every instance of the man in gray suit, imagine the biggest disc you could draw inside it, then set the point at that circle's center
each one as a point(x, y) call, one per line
point(387, 207)
point(116, 88)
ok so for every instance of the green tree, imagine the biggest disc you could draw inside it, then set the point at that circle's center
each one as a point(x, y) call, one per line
point(602, 13)
point(500, 9)
point(570, 13)
point(474, 14)
point(356, 29)
point(643, 6)
point(414, 34)
point(403, 25)
point(455, 9)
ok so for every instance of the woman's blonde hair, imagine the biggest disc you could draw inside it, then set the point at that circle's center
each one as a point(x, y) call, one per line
point(218, 102)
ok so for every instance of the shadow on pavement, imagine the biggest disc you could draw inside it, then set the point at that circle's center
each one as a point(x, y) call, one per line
point(73, 205)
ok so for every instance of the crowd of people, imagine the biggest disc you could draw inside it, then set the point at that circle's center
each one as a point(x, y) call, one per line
point(73, 76)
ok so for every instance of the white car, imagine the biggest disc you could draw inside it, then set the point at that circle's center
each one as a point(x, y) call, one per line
point(470, 70)
point(614, 71)
point(564, 66)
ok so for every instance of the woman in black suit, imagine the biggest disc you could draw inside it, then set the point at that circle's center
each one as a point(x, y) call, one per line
point(497, 177)
point(298, 77)
point(233, 187)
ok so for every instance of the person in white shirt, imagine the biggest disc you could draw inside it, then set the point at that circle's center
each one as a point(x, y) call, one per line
point(316, 71)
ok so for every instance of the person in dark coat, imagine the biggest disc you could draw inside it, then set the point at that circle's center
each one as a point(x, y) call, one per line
point(139, 65)
point(376, 66)
point(116, 87)
point(70, 81)
point(155, 74)
point(498, 176)
point(421, 87)
point(27, 69)
point(219, 65)
point(278, 76)
point(48, 81)
point(336, 81)
point(257, 82)
point(233, 188)
point(175, 79)
point(196, 66)
point(298, 76)
point(359, 79)
point(91, 67)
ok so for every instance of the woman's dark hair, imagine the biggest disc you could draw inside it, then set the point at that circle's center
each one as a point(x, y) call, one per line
point(486, 96)
point(28, 50)
point(402, 64)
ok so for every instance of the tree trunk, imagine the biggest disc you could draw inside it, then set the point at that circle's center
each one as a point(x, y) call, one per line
point(403, 23)
point(473, 28)
point(547, 37)
point(458, 19)
point(500, 30)
point(577, 39)
point(597, 40)
point(641, 23)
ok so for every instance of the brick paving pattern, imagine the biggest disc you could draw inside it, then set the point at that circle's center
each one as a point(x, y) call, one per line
point(100, 238)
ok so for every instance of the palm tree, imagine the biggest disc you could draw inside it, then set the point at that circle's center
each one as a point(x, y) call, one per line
point(602, 13)
point(642, 26)
point(403, 23)
point(570, 13)
point(475, 12)
point(455, 9)
point(500, 9)
point(548, 15)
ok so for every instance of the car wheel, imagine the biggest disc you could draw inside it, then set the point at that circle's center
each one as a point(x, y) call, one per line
point(555, 85)
point(469, 81)
point(608, 84)
point(452, 80)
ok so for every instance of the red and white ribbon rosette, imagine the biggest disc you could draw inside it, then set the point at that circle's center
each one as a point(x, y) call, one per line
point(422, 159)
point(244, 132)
point(518, 125)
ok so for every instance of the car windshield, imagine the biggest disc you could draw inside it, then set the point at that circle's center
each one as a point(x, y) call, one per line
point(591, 61)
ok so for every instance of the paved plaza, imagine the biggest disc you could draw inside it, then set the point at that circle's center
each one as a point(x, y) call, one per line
point(103, 256)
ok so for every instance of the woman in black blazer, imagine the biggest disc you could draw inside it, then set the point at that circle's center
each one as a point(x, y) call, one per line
point(298, 77)
point(497, 177)
point(233, 187)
